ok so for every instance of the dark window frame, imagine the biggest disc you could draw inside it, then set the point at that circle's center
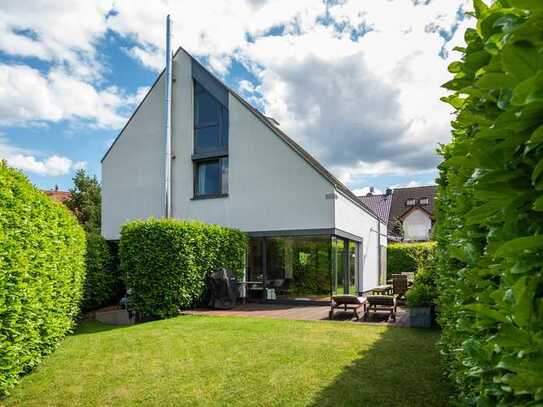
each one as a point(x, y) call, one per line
point(223, 186)
point(222, 124)
point(217, 153)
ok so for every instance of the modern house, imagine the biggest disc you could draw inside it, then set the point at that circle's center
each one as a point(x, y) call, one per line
point(410, 208)
point(310, 236)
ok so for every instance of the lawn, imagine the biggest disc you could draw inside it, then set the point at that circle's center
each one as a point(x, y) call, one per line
point(218, 361)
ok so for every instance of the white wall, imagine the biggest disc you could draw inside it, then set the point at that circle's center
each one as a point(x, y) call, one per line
point(133, 170)
point(351, 218)
point(270, 186)
point(417, 225)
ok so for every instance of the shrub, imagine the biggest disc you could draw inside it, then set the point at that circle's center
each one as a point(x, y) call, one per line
point(489, 208)
point(101, 277)
point(42, 269)
point(423, 292)
point(406, 257)
point(166, 262)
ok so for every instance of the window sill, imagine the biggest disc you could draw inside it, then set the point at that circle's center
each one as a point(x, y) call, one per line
point(213, 196)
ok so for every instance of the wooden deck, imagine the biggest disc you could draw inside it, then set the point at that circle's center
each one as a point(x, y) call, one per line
point(296, 312)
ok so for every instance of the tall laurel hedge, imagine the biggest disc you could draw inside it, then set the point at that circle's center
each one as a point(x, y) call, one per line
point(403, 257)
point(166, 262)
point(42, 269)
point(490, 210)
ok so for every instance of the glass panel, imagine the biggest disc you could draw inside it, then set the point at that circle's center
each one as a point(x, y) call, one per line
point(352, 268)
point(255, 274)
point(339, 269)
point(298, 268)
point(224, 126)
point(224, 175)
point(208, 182)
point(207, 109)
point(207, 138)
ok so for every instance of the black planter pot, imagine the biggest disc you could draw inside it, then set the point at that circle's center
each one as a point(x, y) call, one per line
point(421, 317)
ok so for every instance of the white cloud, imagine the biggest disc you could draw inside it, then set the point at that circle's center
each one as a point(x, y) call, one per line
point(366, 190)
point(412, 184)
point(60, 31)
point(27, 96)
point(363, 104)
point(27, 161)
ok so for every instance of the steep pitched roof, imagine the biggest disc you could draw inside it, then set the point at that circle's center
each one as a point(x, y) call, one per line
point(379, 204)
point(270, 124)
point(400, 196)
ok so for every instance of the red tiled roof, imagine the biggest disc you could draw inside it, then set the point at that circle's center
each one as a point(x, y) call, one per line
point(60, 196)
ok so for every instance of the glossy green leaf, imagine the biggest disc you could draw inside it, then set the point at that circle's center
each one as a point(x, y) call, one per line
point(528, 91)
point(538, 169)
point(527, 4)
point(519, 245)
point(521, 59)
point(495, 80)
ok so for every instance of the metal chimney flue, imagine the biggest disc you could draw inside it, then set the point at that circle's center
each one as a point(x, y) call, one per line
point(168, 122)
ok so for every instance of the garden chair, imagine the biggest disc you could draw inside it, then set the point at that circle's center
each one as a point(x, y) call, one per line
point(381, 303)
point(399, 285)
point(351, 302)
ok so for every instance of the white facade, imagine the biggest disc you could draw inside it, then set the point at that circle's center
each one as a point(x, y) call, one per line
point(417, 225)
point(272, 187)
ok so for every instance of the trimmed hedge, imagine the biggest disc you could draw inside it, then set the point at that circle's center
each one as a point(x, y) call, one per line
point(42, 269)
point(101, 277)
point(490, 210)
point(166, 262)
point(405, 257)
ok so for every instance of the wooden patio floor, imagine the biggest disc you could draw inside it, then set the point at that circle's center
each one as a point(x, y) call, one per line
point(297, 312)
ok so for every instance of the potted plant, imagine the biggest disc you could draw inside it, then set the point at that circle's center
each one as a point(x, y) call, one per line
point(420, 300)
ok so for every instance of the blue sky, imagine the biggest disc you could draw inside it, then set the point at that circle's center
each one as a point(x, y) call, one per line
point(355, 82)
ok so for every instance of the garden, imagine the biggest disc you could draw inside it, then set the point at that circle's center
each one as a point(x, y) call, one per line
point(483, 276)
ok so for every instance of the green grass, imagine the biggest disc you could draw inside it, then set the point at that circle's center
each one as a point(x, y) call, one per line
point(219, 361)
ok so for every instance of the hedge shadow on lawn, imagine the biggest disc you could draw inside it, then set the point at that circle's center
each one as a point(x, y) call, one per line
point(94, 327)
point(398, 370)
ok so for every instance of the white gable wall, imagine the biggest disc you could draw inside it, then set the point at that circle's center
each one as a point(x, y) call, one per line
point(351, 218)
point(270, 186)
point(417, 225)
point(133, 170)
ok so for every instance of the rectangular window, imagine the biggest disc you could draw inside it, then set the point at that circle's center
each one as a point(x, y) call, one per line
point(424, 201)
point(211, 177)
point(411, 202)
point(210, 145)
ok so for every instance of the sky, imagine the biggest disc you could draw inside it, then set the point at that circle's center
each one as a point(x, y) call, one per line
point(355, 82)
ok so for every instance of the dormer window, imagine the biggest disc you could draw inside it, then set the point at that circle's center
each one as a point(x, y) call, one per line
point(411, 202)
point(424, 201)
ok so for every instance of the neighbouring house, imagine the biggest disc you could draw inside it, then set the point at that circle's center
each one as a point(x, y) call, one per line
point(412, 208)
point(310, 236)
point(61, 196)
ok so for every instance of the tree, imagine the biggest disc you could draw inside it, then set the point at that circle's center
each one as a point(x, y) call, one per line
point(86, 201)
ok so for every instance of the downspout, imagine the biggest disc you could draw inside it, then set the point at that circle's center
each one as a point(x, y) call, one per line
point(379, 249)
point(168, 123)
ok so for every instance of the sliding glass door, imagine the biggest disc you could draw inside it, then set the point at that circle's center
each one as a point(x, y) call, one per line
point(308, 268)
point(345, 266)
